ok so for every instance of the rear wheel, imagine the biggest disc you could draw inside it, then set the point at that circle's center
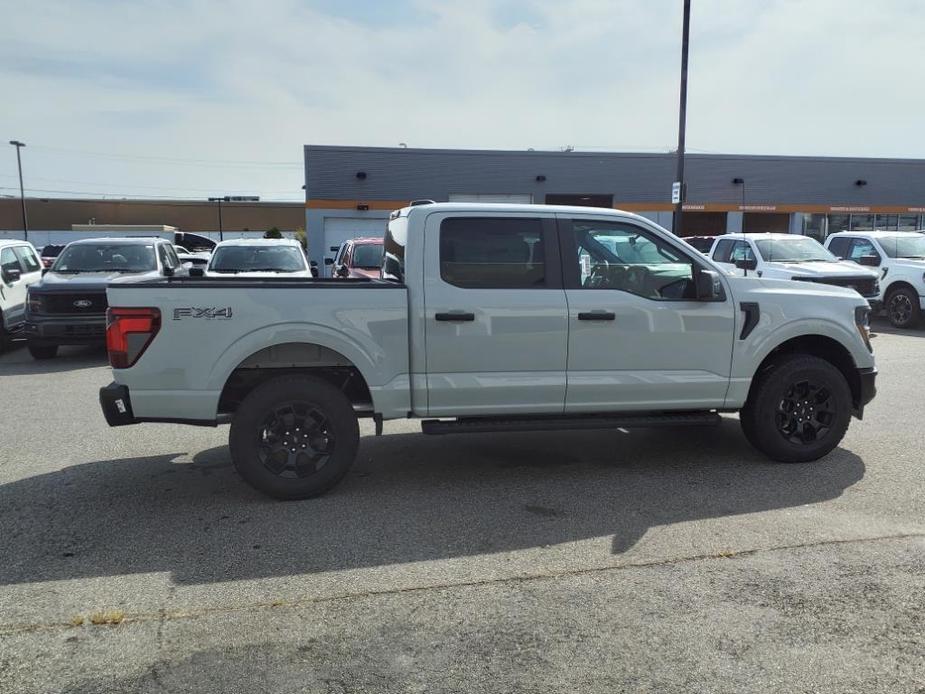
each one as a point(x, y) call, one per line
point(294, 437)
point(902, 308)
point(39, 351)
point(798, 410)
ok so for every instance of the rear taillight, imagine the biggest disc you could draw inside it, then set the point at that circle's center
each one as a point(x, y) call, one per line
point(129, 331)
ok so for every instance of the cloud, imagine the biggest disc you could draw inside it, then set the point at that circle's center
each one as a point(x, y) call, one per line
point(236, 80)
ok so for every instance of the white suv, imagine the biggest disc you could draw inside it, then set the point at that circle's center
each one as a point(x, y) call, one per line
point(792, 257)
point(20, 266)
point(900, 258)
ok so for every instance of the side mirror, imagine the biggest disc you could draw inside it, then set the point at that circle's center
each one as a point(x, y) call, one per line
point(10, 276)
point(747, 263)
point(313, 263)
point(869, 260)
point(45, 271)
point(343, 271)
point(196, 272)
point(169, 271)
point(709, 287)
point(329, 261)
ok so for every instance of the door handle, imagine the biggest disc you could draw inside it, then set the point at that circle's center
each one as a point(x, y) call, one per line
point(455, 316)
point(597, 315)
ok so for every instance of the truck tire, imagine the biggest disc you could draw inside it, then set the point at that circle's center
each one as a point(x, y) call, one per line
point(798, 410)
point(294, 437)
point(902, 308)
point(42, 351)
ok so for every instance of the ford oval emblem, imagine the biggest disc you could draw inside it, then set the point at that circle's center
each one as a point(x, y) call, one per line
point(83, 303)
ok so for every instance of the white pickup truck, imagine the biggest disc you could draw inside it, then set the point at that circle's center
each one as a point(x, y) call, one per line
point(899, 259)
point(489, 318)
point(793, 257)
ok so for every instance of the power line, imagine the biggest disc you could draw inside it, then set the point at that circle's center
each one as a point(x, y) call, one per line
point(250, 191)
point(133, 195)
point(175, 160)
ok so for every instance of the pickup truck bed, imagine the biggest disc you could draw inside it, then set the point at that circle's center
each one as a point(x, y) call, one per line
point(226, 324)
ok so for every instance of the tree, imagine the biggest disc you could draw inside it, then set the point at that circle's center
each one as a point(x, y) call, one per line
point(301, 238)
point(273, 233)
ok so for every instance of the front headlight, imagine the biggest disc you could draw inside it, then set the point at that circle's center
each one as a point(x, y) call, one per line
point(36, 303)
point(862, 321)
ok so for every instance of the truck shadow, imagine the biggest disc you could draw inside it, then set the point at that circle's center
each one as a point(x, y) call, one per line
point(409, 498)
point(16, 360)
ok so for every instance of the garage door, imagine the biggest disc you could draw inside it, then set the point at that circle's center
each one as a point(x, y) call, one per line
point(340, 229)
point(524, 199)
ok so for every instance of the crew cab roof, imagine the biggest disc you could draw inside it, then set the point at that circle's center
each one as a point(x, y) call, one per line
point(139, 240)
point(759, 237)
point(496, 207)
point(258, 242)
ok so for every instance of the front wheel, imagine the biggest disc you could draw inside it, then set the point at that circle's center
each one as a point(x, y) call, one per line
point(798, 410)
point(902, 308)
point(294, 437)
point(42, 351)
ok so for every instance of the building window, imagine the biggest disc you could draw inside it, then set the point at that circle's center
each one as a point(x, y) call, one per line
point(492, 253)
point(862, 222)
point(814, 226)
point(887, 222)
point(908, 222)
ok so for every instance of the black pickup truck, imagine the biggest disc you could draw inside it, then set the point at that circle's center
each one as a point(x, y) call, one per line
point(68, 305)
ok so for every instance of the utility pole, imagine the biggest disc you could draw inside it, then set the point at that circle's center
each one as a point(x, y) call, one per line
point(22, 196)
point(682, 122)
point(221, 234)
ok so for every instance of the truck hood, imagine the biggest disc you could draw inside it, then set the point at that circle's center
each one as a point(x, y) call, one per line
point(825, 269)
point(83, 281)
point(752, 288)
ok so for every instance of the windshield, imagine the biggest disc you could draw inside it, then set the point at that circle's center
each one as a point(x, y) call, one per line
point(911, 246)
point(258, 259)
point(106, 257)
point(799, 249)
point(368, 255)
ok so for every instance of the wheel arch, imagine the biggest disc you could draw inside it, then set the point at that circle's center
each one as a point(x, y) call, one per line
point(822, 346)
point(898, 284)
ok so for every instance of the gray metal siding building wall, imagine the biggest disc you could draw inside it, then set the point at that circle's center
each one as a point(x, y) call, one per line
point(795, 186)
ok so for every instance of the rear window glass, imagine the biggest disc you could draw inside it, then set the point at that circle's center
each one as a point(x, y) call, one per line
point(106, 257)
point(492, 253)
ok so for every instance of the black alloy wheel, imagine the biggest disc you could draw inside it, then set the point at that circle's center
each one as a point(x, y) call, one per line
point(295, 440)
point(806, 412)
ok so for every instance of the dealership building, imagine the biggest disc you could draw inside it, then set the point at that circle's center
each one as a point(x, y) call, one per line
point(349, 191)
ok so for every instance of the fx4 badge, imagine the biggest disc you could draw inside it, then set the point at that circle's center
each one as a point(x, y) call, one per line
point(210, 313)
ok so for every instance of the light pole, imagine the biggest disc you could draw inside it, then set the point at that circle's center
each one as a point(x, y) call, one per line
point(682, 120)
point(221, 234)
point(22, 197)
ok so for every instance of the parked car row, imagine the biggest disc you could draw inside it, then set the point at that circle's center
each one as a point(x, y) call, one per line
point(64, 302)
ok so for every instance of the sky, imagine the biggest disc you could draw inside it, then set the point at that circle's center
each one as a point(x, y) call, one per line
point(189, 99)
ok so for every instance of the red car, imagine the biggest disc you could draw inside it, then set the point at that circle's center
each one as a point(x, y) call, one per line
point(358, 258)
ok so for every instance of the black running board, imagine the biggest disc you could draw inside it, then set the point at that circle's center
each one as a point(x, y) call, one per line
point(481, 425)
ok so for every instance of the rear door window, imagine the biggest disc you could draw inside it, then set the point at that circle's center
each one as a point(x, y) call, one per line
point(493, 253)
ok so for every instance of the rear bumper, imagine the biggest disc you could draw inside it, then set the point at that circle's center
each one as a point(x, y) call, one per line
point(116, 405)
point(867, 379)
point(66, 330)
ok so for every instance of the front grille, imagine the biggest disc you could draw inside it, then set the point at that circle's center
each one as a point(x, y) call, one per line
point(865, 286)
point(75, 304)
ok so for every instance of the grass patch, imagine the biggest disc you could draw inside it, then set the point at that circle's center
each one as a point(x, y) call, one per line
point(107, 617)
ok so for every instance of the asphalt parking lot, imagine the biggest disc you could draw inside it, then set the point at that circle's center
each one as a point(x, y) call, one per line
point(662, 561)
